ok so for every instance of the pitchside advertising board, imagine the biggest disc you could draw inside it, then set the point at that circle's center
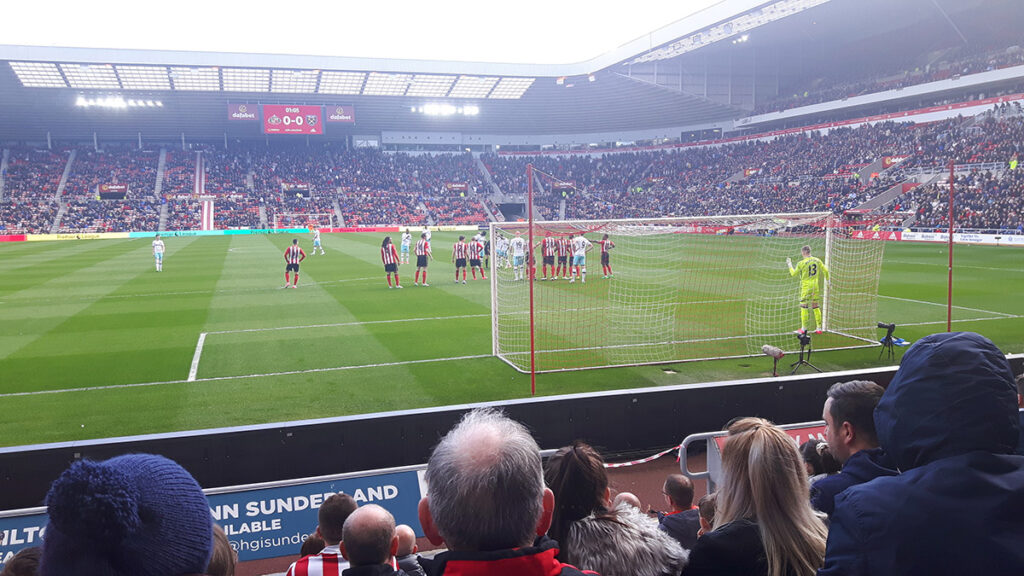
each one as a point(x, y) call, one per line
point(268, 522)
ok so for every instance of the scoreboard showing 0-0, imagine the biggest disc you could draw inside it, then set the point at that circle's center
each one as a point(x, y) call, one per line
point(286, 119)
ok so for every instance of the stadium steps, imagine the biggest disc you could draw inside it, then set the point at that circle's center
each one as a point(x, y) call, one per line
point(263, 216)
point(887, 197)
point(876, 167)
point(737, 177)
point(338, 213)
point(61, 208)
point(487, 210)
point(160, 168)
point(67, 174)
point(250, 181)
point(430, 217)
point(3, 171)
point(164, 210)
point(561, 210)
point(498, 196)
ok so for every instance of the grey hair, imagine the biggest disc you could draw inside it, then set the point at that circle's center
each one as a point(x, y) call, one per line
point(486, 483)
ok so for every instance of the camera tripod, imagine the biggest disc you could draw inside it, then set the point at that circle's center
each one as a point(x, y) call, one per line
point(887, 346)
point(805, 344)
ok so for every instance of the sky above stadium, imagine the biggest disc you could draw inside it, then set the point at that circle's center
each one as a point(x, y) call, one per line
point(521, 32)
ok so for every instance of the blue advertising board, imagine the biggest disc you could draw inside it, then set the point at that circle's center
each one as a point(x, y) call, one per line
point(262, 522)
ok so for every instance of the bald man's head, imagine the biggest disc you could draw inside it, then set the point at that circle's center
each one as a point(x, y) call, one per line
point(369, 536)
point(406, 540)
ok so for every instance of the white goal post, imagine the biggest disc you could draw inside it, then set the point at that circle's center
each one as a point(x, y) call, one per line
point(679, 289)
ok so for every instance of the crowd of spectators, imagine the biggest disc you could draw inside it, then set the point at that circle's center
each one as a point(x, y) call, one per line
point(27, 216)
point(112, 165)
point(226, 172)
point(84, 215)
point(230, 212)
point(183, 215)
point(833, 171)
point(983, 201)
point(34, 173)
point(959, 63)
point(905, 497)
point(179, 172)
point(30, 188)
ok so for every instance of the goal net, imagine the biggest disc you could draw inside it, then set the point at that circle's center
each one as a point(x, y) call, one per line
point(679, 289)
point(305, 220)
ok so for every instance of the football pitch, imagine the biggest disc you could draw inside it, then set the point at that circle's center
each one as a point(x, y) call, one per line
point(95, 343)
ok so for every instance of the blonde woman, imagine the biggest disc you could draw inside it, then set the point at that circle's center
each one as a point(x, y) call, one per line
point(764, 523)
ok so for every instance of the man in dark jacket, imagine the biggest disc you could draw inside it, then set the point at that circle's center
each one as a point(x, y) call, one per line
point(949, 422)
point(850, 433)
point(487, 501)
point(1020, 405)
point(683, 520)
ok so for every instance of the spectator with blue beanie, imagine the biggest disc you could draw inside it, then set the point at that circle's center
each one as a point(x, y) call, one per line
point(133, 515)
point(949, 422)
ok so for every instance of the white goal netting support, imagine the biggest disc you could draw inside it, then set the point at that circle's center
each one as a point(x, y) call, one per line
point(679, 289)
point(305, 220)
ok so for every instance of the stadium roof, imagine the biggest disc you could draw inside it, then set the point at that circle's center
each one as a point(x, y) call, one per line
point(618, 90)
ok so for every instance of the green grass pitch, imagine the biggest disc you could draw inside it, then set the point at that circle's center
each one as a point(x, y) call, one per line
point(94, 343)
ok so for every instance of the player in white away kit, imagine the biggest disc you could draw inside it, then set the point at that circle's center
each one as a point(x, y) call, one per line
point(518, 247)
point(501, 251)
point(406, 243)
point(580, 247)
point(158, 253)
point(316, 242)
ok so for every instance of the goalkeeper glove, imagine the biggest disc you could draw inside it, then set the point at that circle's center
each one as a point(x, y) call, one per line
point(789, 262)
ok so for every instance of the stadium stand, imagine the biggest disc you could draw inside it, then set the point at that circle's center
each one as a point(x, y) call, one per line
point(908, 72)
point(810, 171)
point(31, 181)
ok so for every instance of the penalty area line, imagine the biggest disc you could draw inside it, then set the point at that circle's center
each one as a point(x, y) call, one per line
point(247, 376)
point(1001, 314)
point(195, 357)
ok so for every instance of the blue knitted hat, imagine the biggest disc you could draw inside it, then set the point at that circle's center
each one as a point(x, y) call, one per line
point(134, 515)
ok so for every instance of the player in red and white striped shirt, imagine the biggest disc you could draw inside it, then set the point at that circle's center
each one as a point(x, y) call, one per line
point(549, 249)
point(459, 251)
point(389, 255)
point(606, 263)
point(422, 255)
point(564, 247)
point(476, 252)
point(292, 256)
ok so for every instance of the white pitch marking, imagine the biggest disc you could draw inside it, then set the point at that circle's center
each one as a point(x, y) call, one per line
point(195, 357)
point(944, 264)
point(244, 330)
point(944, 305)
point(247, 376)
point(943, 322)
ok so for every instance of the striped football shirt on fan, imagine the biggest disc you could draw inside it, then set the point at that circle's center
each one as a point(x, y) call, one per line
point(329, 562)
point(459, 250)
point(293, 254)
point(389, 254)
point(475, 249)
point(423, 247)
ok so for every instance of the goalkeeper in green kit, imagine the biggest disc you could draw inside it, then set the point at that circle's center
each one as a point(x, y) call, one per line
point(812, 273)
